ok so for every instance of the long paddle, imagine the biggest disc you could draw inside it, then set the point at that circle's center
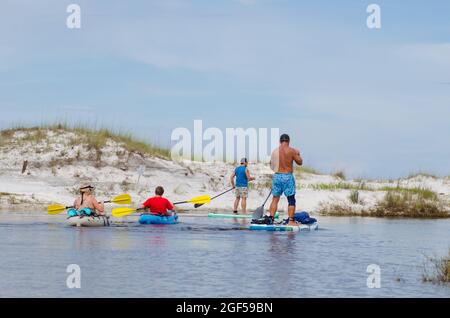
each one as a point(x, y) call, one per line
point(197, 205)
point(120, 212)
point(260, 211)
point(203, 199)
point(58, 208)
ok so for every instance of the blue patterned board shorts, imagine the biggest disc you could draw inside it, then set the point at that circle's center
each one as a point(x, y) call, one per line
point(283, 183)
point(84, 211)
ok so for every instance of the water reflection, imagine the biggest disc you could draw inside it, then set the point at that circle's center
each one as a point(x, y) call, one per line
point(240, 222)
point(156, 241)
point(206, 257)
point(121, 239)
point(53, 236)
point(281, 253)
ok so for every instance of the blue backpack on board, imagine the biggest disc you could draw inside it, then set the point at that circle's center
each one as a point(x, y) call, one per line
point(303, 218)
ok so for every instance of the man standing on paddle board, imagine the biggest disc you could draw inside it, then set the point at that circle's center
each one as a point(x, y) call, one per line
point(87, 204)
point(243, 177)
point(282, 162)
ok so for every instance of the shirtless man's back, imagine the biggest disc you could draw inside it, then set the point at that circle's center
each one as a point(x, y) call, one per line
point(282, 163)
point(284, 156)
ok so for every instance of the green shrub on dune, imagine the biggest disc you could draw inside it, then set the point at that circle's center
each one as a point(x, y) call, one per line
point(410, 204)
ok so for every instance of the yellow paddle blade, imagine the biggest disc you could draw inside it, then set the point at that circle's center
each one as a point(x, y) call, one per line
point(122, 199)
point(119, 212)
point(55, 209)
point(201, 199)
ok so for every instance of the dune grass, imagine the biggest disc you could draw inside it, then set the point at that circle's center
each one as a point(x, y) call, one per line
point(340, 186)
point(340, 175)
point(440, 270)
point(422, 174)
point(362, 186)
point(31, 134)
point(338, 209)
point(394, 204)
point(410, 204)
point(305, 169)
point(4, 194)
point(264, 184)
point(421, 192)
point(92, 138)
point(11, 198)
point(354, 197)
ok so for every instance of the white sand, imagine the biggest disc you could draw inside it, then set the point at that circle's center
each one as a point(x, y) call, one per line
point(48, 181)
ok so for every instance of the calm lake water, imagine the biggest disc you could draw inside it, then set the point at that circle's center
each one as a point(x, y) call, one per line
point(203, 257)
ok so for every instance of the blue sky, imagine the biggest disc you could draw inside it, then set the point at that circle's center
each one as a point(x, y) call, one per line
point(375, 103)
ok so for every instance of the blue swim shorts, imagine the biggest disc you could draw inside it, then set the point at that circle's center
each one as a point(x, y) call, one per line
point(283, 183)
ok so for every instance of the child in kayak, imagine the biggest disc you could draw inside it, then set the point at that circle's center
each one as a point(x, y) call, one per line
point(86, 204)
point(242, 175)
point(159, 205)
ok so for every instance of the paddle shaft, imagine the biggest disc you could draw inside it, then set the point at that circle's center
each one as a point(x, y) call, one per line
point(260, 211)
point(223, 193)
point(176, 203)
point(267, 199)
point(199, 205)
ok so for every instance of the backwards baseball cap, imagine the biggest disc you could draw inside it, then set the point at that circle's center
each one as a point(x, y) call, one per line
point(244, 160)
point(285, 137)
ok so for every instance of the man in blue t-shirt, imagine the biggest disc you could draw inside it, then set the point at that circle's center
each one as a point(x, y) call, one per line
point(243, 177)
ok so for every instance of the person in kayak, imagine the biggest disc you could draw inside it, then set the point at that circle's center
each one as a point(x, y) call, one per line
point(242, 175)
point(158, 204)
point(282, 162)
point(86, 204)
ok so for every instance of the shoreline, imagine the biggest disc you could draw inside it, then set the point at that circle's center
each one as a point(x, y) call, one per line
point(54, 162)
